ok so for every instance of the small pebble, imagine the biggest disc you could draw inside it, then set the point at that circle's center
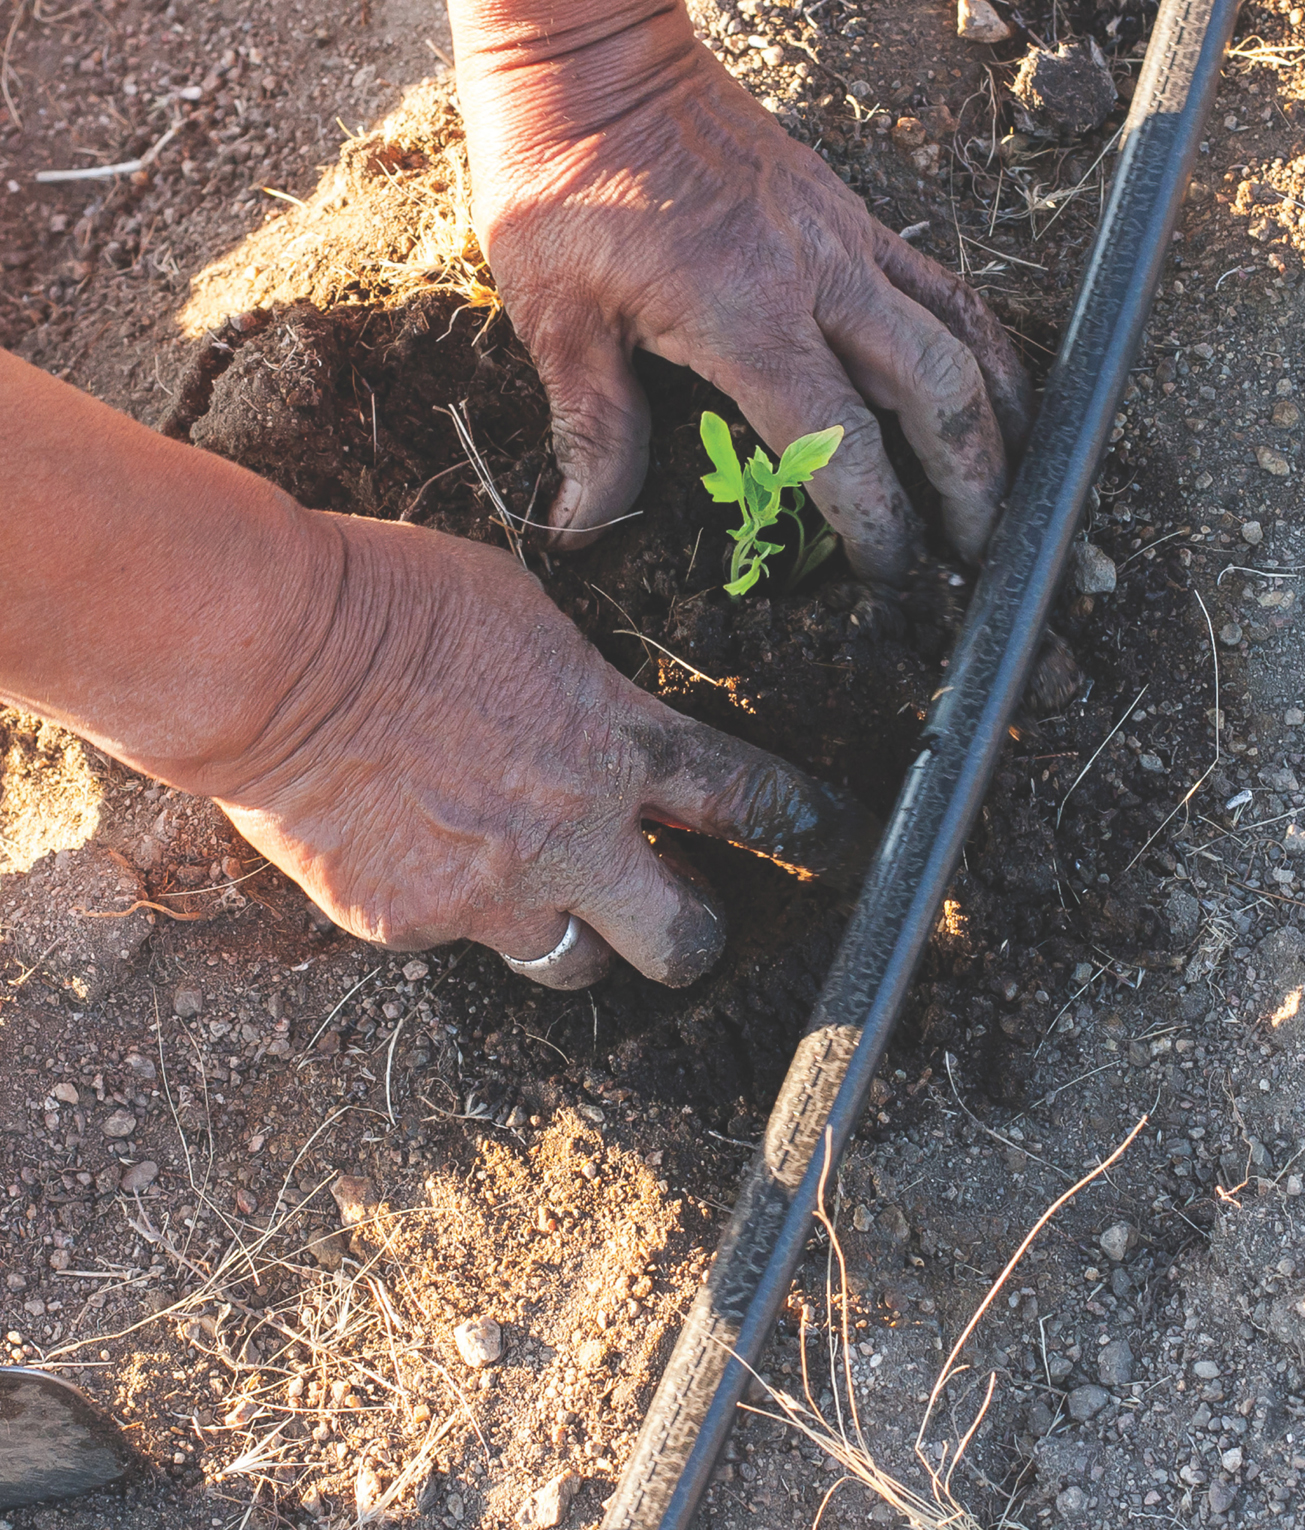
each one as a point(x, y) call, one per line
point(139, 1176)
point(1118, 1240)
point(414, 971)
point(241, 1414)
point(1230, 634)
point(1091, 571)
point(589, 1170)
point(187, 1001)
point(1115, 1364)
point(1232, 1459)
point(1220, 1496)
point(479, 1341)
point(1206, 1370)
point(65, 1093)
point(978, 22)
point(773, 55)
point(547, 1507)
point(1252, 533)
point(861, 1219)
point(1087, 1402)
point(120, 1124)
point(1285, 414)
point(1295, 1184)
point(1272, 461)
point(355, 1195)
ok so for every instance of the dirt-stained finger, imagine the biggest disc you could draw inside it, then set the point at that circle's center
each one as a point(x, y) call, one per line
point(718, 785)
point(973, 323)
point(904, 359)
point(657, 914)
point(601, 427)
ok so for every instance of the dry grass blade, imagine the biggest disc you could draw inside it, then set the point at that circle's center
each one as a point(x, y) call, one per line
point(1214, 763)
point(949, 1366)
point(1128, 712)
point(942, 1512)
point(7, 70)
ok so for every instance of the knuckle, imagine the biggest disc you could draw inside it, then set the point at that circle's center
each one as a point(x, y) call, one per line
point(944, 369)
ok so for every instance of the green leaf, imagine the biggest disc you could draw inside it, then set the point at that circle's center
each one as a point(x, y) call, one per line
point(725, 485)
point(807, 455)
point(757, 501)
point(762, 470)
point(742, 585)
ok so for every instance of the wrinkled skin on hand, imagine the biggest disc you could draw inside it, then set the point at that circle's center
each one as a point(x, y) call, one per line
point(628, 192)
point(457, 761)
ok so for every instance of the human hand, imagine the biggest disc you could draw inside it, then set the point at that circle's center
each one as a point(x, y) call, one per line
point(628, 192)
point(458, 762)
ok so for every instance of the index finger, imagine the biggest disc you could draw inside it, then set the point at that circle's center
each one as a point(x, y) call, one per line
point(718, 785)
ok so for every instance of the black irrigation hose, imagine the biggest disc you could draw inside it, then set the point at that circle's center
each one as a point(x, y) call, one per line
point(827, 1084)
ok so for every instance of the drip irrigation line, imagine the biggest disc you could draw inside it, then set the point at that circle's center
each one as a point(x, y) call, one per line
point(828, 1082)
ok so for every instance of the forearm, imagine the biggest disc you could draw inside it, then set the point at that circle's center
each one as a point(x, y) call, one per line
point(153, 598)
point(577, 67)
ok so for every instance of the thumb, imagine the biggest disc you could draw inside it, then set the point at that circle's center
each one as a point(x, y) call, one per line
point(600, 433)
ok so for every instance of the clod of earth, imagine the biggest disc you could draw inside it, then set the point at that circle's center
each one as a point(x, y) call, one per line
point(1066, 94)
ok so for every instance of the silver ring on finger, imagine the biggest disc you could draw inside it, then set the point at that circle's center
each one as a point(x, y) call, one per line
point(542, 964)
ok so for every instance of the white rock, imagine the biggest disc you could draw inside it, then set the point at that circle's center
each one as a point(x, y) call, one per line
point(65, 1093)
point(1206, 1370)
point(977, 21)
point(356, 1198)
point(480, 1343)
point(367, 1489)
point(1118, 1240)
point(1091, 571)
point(547, 1507)
point(1232, 1459)
point(1252, 533)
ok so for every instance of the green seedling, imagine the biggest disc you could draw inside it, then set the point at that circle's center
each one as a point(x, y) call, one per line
point(757, 487)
